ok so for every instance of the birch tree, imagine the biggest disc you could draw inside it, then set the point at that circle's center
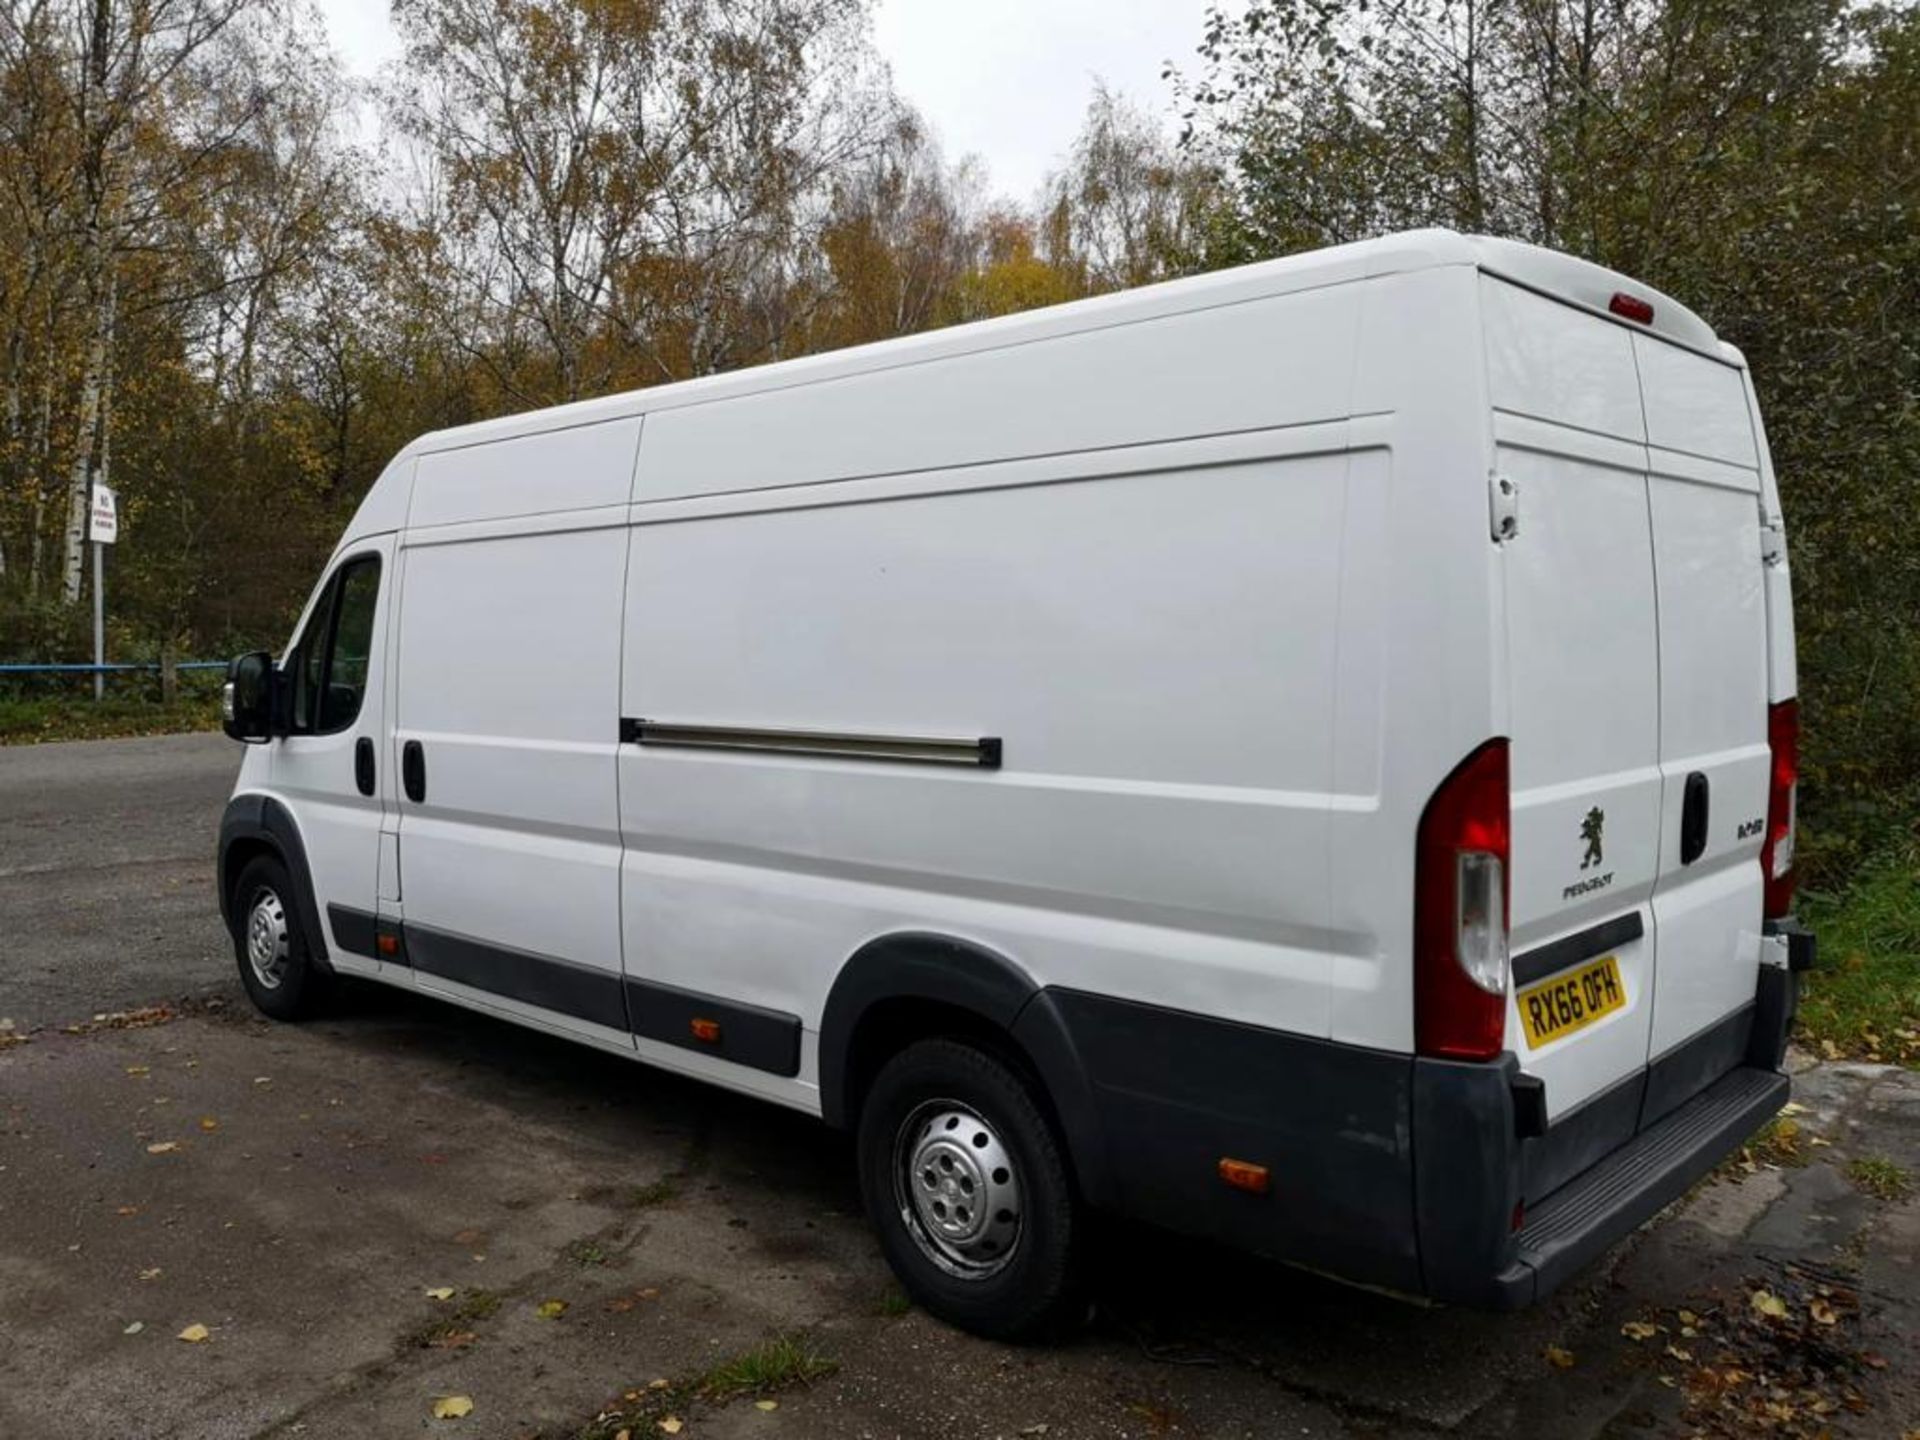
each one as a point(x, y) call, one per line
point(616, 182)
point(133, 60)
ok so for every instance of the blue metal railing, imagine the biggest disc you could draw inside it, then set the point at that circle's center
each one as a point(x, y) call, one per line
point(151, 667)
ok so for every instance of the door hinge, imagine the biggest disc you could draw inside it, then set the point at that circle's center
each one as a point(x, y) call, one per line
point(1503, 507)
point(1773, 543)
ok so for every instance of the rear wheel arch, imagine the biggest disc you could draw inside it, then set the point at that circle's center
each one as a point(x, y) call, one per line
point(906, 987)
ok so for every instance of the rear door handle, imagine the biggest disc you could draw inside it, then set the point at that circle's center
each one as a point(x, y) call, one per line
point(413, 771)
point(1693, 819)
point(363, 774)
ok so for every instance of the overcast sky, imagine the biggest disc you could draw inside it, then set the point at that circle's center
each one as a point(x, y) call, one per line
point(1007, 80)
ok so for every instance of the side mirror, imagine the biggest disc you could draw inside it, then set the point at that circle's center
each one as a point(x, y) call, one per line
point(246, 705)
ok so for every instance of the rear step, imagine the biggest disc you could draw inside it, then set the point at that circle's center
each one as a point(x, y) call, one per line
point(1592, 1211)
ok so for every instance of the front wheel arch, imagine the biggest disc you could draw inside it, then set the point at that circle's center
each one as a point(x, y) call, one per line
point(255, 825)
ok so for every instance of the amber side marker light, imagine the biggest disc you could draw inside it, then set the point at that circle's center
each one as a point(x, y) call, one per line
point(1631, 307)
point(387, 944)
point(707, 1031)
point(1245, 1175)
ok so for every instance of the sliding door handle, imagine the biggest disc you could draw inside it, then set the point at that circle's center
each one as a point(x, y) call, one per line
point(363, 773)
point(413, 771)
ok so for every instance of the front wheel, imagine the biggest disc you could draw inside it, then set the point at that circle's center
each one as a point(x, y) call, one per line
point(967, 1183)
point(275, 964)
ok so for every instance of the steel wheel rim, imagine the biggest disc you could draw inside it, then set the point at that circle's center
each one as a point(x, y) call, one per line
point(269, 941)
point(957, 1189)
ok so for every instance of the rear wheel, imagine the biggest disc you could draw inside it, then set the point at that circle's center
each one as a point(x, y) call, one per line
point(968, 1185)
point(275, 964)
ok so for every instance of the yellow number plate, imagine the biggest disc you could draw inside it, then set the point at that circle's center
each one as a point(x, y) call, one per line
point(1556, 1008)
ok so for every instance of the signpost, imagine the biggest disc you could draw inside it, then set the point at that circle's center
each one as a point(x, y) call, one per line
point(103, 528)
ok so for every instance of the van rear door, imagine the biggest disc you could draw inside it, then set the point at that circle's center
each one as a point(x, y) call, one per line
point(1582, 648)
point(1704, 499)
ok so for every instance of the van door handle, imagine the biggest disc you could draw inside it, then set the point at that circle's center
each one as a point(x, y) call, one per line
point(413, 771)
point(1693, 819)
point(363, 775)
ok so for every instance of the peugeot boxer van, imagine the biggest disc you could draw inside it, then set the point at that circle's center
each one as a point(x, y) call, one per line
point(1303, 755)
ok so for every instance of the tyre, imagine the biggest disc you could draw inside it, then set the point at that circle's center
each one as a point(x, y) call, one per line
point(968, 1185)
point(271, 947)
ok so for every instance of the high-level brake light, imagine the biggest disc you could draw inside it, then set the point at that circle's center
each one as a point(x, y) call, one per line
point(1460, 911)
point(1631, 307)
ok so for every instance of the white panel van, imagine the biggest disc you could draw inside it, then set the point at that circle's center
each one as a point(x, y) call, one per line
point(1303, 755)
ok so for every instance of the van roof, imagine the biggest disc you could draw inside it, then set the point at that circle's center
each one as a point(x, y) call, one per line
point(1562, 276)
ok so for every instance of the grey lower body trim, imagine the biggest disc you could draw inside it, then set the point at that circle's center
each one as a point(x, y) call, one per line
point(748, 1035)
point(354, 931)
point(581, 991)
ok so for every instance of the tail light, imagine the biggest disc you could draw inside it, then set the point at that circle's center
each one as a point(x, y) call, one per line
point(1783, 799)
point(1460, 904)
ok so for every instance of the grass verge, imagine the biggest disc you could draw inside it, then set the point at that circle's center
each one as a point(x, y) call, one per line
point(34, 721)
point(785, 1362)
point(1880, 1178)
point(1863, 1002)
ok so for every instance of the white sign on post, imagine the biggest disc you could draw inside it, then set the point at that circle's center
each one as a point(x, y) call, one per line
point(103, 519)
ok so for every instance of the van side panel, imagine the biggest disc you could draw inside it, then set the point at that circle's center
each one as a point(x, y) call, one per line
point(509, 683)
point(577, 468)
point(1283, 360)
point(1421, 677)
point(1140, 838)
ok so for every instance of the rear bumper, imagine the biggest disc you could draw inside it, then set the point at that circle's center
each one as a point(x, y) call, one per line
point(1421, 1176)
point(1581, 1186)
point(1585, 1217)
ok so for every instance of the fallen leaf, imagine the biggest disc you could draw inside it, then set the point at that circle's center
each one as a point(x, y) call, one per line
point(1678, 1354)
point(128, 1210)
point(551, 1309)
point(1793, 1107)
point(1687, 1317)
point(440, 1292)
point(469, 1237)
point(163, 1147)
point(1558, 1358)
point(671, 1425)
point(194, 1334)
point(1822, 1312)
point(207, 1122)
point(135, 1328)
point(263, 1079)
point(623, 1435)
point(456, 1340)
point(1767, 1303)
point(137, 1070)
point(153, 1274)
point(452, 1407)
point(766, 1404)
point(1639, 1330)
point(658, 1384)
